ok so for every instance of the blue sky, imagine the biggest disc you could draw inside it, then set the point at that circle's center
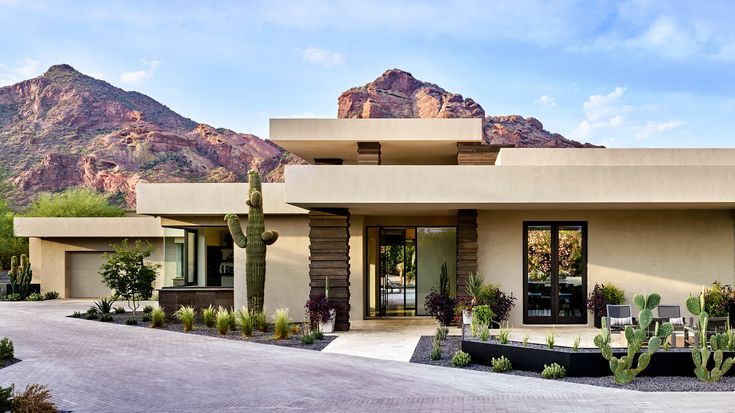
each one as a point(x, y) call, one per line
point(622, 74)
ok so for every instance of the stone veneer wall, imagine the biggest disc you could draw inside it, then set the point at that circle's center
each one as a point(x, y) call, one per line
point(329, 256)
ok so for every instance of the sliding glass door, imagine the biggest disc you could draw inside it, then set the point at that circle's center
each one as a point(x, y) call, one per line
point(555, 272)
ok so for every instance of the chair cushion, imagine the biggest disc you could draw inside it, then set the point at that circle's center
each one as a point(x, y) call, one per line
point(678, 321)
point(622, 321)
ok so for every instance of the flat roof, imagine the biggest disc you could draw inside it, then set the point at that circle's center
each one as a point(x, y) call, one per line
point(182, 199)
point(616, 156)
point(81, 227)
point(403, 141)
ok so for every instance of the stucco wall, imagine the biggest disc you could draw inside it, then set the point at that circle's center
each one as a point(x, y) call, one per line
point(48, 259)
point(669, 252)
point(287, 267)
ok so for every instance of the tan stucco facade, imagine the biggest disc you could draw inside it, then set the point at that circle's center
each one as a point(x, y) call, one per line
point(672, 253)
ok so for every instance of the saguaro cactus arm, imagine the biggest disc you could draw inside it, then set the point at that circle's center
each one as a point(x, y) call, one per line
point(269, 237)
point(233, 224)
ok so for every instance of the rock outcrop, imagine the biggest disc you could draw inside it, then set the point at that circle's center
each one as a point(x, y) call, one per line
point(397, 94)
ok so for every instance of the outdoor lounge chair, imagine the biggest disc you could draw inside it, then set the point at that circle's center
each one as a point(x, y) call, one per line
point(618, 316)
point(671, 314)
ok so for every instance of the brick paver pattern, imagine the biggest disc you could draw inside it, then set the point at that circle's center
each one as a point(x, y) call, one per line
point(92, 366)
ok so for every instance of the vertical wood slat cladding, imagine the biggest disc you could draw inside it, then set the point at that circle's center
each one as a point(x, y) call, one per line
point(368, 153)
point(474, 153)
point(466, 247)
point(329, 256)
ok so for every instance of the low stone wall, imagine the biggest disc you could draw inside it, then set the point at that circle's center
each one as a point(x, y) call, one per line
point(170, 298)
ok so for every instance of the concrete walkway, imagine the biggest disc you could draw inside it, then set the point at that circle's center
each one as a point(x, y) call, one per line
point(98, 367)
point(385, 339)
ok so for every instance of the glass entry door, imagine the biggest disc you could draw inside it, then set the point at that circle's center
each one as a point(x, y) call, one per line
point(397, 271)
point(555, 272)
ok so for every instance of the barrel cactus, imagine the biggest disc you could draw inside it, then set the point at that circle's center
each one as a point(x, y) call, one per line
point(254, 240)
point(622, 368)
point(20, 276)
point(718, 343)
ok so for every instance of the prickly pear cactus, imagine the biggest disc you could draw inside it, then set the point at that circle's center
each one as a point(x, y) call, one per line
point(20, 276)
point(622, 368)
point(255, 241)
point(718, 343)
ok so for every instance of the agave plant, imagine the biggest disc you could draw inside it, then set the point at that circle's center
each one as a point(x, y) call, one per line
point(104, 305)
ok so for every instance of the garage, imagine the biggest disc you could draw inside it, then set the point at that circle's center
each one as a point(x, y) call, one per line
point(84, 279)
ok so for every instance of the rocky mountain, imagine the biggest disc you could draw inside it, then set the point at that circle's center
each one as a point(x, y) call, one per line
point(65, 129)
point(397, 94)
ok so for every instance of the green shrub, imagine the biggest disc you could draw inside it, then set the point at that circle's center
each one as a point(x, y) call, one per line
point(222, 320)
point(148, 309)
point(482, 315)
point(75, 202)
point(436, 350)
point(484, 332)
point(441, 332)
point(715, 301)
point(131, 322)
point(119, 310)
point(318, 334)
point(612, 294)
point(553, 371)
point(12, 297)
point(260, 323)
point(93, 310)
point(35, 297)
point(186, 314)
point(76, 314)
point(6, 398)
point(35, 398)
point(504, 335)
point(245, 321)
point(232, 319)
point(575, 345)
point(461, 359)
point(104, 305)
point(146, 318)
point(92, 316)
point(51, 295)
point(208, 316)
point(280, 324)
point(7, 350)
point(307, 338)
point(550, 339)
point(106, 317)
point(158, 316)
point(501, 364)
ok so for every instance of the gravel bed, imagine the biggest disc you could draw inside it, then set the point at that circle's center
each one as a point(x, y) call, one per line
point(645, 384)
point(199, 329)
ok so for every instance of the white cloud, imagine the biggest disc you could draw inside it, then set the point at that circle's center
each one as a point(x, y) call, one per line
point(654, 128)
point(547, 101)
point(26, 69)
point(603, 112)
point(138, 77)
point(323, 57)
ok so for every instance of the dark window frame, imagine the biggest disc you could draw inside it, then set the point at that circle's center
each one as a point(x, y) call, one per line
point(554, 318)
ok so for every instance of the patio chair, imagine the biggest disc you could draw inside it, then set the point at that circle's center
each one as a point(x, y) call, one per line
point(618, 317)
point(671, 314)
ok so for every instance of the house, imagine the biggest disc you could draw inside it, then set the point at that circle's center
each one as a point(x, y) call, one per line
point(386, 203)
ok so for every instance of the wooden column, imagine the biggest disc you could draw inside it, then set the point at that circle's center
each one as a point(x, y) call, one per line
point(368, 153)
point(329, 256)
point(475, 153)
point(466, 247)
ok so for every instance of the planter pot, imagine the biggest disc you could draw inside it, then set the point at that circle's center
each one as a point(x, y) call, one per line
point(328, 326)
point(598, 321)
point(466, 317)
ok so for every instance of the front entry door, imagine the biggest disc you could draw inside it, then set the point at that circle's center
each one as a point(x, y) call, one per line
point(397, 271)
point(555, 272)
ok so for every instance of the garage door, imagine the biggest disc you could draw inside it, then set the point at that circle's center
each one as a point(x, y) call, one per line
point(85, 280)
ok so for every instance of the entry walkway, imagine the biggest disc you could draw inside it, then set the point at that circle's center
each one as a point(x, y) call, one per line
point(384, 339)
point(92, 366)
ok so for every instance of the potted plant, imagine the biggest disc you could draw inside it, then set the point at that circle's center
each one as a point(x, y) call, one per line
point(321, 311)
point(601, 296)
point(473, 289)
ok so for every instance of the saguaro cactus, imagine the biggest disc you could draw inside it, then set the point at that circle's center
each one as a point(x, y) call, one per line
point(254, 241)
point(622, 368)
point(20, 276)
point(718, 343)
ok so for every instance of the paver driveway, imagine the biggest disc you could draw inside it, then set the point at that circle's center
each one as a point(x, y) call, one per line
point(99, 367)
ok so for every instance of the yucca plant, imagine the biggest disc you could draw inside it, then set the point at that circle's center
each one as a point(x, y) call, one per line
point(158, 316)
point(208, 316)
point(245, 321)
point(222, 320)
point(280, 321)
point(186, 314)
point(474, 287)
point(104, 305)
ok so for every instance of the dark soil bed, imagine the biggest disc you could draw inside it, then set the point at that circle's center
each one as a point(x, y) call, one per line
point(199, 329)
point(649, 384)
point(7, 363)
